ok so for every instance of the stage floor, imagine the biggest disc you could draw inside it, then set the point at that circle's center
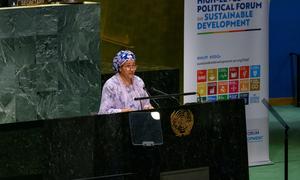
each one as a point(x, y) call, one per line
point(291, 114)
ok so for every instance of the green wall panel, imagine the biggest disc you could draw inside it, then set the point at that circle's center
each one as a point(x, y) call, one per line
point(49, 58)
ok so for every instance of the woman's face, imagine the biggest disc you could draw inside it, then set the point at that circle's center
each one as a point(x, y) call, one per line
point(128, 69)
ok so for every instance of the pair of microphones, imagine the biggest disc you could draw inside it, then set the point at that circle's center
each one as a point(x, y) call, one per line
point(162, 95)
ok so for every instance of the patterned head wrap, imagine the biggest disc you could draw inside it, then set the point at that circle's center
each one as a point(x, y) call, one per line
point(121, 57)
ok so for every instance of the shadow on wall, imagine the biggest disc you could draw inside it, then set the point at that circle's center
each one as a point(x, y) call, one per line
point(151, 29)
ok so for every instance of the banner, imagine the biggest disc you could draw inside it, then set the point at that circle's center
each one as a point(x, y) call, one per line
point(226, 57)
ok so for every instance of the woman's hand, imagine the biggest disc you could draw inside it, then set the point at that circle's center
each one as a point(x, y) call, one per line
point(148, 106)
point(126, 110)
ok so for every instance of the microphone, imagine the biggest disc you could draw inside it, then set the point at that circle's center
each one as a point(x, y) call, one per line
point(153, 100)
point(163, 93)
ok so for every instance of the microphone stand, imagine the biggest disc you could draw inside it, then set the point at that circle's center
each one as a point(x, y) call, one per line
point(153, 100)
point(286, 128)
point(163, 93)
point(165, 96)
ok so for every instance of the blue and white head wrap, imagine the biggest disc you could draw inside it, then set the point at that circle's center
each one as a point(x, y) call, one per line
point(121, 57)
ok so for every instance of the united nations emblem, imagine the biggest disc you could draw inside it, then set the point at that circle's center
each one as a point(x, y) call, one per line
point(182, 122)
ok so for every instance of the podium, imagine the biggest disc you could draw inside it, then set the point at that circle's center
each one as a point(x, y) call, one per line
point(100, 147)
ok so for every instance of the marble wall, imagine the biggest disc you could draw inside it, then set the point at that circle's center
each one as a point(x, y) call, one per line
point(49, 57)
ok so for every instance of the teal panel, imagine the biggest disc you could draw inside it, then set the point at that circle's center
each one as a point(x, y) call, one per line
point(7, 27)
point(26, 107)
point(46, 20)
point(8, 108)
point(24, 22)
point(26, 78)
point(8, 87)
point(6, 51)
point(89, 101)
point(47, 49)
point(8, 78)
point(46, 77)
point(58, 104)
point(88, 24)
point(89, 88)
point(79, 46)
point(79, 18)
point(49, 58)
point(24, 51)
